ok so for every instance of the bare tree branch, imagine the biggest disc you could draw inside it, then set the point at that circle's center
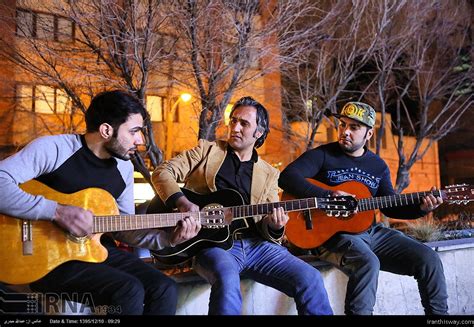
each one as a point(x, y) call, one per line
point(116, 44)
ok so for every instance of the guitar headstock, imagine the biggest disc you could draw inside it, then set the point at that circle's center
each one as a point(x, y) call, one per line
point(338, 205)
point(458, 194)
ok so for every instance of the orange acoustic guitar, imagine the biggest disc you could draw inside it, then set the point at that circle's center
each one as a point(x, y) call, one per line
point(30, 249)
point(309, 230)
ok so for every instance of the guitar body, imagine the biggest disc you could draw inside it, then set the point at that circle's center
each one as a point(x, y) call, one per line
point(51, 246)
point(207, 237)
point(324, 226)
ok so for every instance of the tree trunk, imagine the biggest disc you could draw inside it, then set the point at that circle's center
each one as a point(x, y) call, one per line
point(403, 178)
point(207, 130)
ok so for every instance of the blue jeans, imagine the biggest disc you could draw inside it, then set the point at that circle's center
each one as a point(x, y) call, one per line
point(363, 255)
point(267, 263)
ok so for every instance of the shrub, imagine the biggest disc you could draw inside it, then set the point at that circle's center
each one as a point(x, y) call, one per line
point(426, 229)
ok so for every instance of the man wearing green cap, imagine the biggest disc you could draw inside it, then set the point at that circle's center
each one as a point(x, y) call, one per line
point(361, 256)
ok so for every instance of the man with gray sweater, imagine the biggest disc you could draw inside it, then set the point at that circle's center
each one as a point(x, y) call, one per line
point(99, 158)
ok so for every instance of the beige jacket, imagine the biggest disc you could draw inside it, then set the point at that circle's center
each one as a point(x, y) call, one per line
point(197, 169)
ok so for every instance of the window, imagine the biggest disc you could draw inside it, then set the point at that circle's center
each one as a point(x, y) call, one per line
point(254, 58)
point(63, 102)
point(24, 97)
point(65, 30)
point(24, 24)
point(227, 111)
point(309, 106)
point(155, 106)
point(43, 26)
point(42, 99)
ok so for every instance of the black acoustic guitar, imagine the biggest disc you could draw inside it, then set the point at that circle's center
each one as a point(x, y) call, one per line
point(229, 206)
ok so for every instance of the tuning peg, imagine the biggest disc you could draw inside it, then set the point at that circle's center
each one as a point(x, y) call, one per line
point(458, 185)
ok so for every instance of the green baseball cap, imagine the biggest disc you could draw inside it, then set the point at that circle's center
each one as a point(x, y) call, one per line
point(359, 111)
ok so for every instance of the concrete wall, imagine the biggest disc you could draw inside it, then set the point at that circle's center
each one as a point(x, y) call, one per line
point(396, 295)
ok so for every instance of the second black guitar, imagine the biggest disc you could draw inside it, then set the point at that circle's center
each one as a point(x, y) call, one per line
point(230, 204)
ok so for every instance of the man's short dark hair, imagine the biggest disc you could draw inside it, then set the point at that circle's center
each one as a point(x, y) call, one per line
point(114, 108)
point(263, 122)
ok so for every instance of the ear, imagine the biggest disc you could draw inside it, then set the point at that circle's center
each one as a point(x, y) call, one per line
point(257, 134)
point(106, 131)
point(370, 133)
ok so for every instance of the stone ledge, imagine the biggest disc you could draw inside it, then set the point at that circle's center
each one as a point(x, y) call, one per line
point(396, 295)
point(448, 245)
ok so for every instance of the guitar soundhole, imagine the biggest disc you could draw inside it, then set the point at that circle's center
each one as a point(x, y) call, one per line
point(344, 218)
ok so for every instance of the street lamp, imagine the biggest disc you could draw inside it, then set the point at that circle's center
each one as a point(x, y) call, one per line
point(184, 97)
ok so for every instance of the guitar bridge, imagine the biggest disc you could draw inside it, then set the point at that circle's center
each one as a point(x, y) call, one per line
point(307, 219)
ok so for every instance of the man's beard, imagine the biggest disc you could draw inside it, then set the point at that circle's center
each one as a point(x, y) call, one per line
point(115, 149)
point(351, 147)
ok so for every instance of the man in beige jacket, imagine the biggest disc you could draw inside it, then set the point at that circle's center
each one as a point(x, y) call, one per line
point(255, 251)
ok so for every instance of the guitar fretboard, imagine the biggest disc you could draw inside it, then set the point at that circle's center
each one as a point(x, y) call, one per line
point(117, 223)
point(266, 208)
point(396, 200)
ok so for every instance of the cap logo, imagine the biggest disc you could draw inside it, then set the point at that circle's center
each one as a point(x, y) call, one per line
point(359, 111)
point(353, 111)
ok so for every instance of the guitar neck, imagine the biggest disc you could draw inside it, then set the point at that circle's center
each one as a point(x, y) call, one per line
point(266, 208)
point(396, 200)
point(115, 223)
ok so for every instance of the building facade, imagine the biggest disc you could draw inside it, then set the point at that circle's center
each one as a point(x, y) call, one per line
point(29, 107)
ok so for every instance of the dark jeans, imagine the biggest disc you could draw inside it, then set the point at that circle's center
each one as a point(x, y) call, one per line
point(361, 256)
point(123, 282)
point(267, 263)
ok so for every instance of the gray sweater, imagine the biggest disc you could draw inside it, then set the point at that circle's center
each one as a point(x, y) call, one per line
point(65, 163)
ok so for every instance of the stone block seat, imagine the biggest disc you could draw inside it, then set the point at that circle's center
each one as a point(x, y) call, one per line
point(396, 295)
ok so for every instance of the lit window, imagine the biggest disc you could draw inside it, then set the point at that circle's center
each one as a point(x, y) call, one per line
point(154, 105)
point(142, 190)
point(42, 99)
point(24, 97)
point(309, 106)
point(227, 111)
point(63, 102)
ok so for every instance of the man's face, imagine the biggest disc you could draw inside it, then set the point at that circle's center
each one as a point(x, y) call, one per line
point(129, 135)
point(243, 128)
point(353, 135)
